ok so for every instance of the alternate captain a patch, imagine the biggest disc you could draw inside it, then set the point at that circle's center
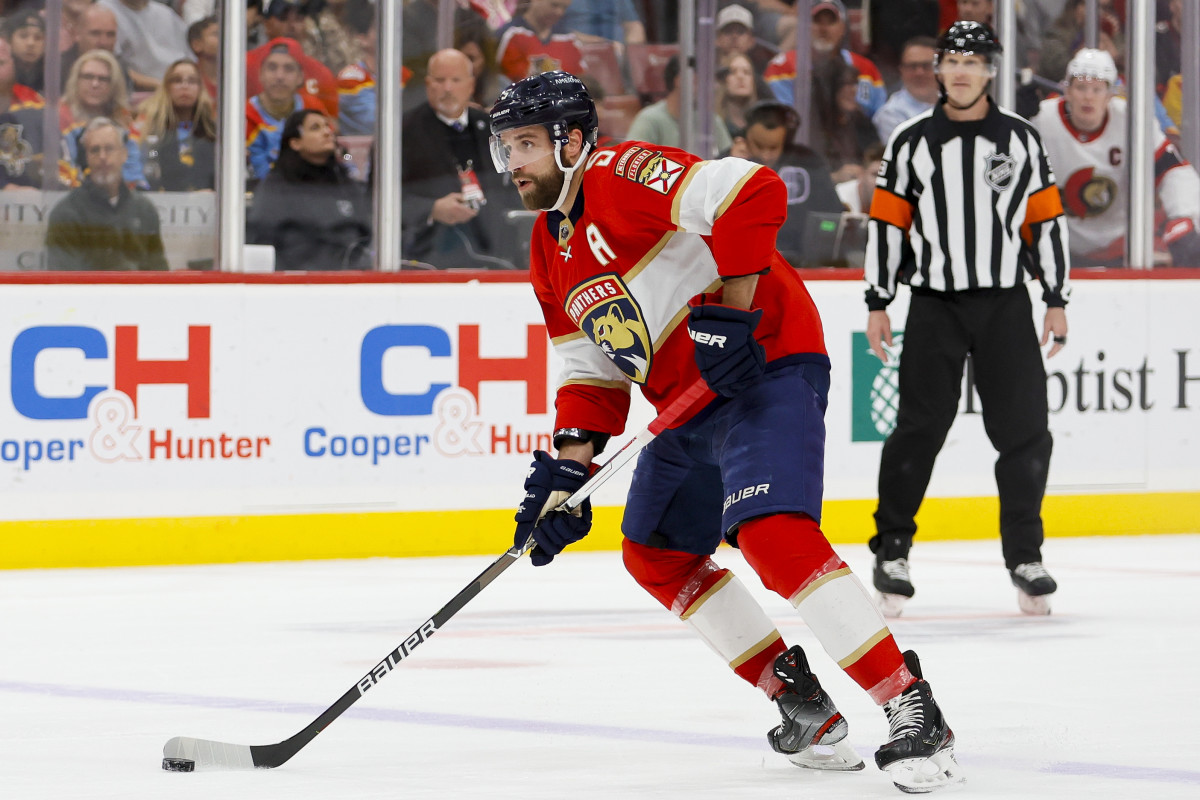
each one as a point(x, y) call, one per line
point(650, 168)
point(606, 312)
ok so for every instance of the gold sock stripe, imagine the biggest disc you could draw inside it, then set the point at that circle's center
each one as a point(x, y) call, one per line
point(757, 648)
point(879, 636)
point(702, 599)
point(802, 595)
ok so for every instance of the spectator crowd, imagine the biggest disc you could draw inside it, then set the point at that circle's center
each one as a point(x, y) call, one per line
point(149, 70)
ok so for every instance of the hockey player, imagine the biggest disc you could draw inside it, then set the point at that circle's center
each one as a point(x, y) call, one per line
point(1087, 140)
point(669, 276)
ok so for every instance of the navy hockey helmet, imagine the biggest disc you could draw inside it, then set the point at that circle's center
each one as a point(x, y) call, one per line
point(968, 38)
point(556, 100)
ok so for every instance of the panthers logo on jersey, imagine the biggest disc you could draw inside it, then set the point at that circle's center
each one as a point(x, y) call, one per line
point(606, 312)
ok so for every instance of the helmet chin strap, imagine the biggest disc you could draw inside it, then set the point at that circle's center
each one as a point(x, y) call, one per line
point(568, 173)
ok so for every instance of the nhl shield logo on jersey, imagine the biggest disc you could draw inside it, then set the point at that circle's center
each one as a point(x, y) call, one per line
point(650, 168)
point(999, 170)
point(606, 312)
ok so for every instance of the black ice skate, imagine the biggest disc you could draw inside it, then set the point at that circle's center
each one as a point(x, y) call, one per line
point(1034, 585)
point(894, 585)
point(813, 731)
point(919, 753)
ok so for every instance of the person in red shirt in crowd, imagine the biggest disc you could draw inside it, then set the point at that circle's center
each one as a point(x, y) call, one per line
point(280, 78)
point(528, 46)
point(280, 18)
point(828, 34)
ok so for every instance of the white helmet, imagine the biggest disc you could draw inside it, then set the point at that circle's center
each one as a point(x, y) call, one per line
point(1092, 63)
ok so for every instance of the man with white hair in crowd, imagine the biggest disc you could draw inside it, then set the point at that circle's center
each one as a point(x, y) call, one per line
point(1086, 138)
point(103, 224)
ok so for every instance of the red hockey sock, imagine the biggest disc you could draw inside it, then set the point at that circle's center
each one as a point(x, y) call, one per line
point(793, 558)
point(715, 604)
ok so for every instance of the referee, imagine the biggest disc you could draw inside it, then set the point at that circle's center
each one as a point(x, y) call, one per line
point(965, 204)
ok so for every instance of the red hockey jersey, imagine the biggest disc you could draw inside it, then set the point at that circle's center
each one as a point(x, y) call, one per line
point(658, 230)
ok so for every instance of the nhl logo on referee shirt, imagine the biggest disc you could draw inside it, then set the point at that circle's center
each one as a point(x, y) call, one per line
point(999, 170)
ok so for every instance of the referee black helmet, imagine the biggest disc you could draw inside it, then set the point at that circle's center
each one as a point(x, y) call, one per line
point(970, 39)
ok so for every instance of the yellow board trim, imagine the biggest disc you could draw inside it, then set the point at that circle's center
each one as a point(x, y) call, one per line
point(296, 537)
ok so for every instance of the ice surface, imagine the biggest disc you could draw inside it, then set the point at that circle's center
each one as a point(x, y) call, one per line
point(569, 682)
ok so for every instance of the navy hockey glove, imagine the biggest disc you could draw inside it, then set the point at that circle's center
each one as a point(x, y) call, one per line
point(729, 357)
point(550, 482)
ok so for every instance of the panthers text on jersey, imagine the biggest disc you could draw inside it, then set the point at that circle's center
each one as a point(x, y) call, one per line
point(1091, 173)
point(615, 277)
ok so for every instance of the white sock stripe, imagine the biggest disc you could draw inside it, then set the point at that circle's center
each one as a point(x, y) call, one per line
point(731, 621)
point(841, 614)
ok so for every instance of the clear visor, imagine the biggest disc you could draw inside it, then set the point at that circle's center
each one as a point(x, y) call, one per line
point(519, 148)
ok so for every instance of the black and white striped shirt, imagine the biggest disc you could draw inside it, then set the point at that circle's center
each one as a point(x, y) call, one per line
point(965, 205)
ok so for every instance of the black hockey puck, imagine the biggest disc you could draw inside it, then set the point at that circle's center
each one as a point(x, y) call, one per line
point(179, 765)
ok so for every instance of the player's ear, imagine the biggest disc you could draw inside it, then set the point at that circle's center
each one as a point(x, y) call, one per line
point(574, 143)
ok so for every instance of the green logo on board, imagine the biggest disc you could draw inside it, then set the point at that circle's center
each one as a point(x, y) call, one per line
point(875, 392)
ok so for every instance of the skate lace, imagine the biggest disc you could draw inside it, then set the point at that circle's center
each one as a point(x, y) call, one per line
point(1032, 571)
point(897, 570)
point(906, 715)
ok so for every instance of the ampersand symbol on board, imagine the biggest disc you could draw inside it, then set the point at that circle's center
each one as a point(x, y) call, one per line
point(113, 437)
point(457, 432)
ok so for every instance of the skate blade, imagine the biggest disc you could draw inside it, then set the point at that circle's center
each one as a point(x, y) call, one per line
point(838, 757)
point(1038, 606)
point(921, 775)
point(890, 605)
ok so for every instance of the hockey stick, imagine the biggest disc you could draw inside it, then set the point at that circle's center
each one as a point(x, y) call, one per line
point(185, 754)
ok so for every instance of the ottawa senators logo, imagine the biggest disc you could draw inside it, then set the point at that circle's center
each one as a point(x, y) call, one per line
point(1087, 194)
point(604, 309)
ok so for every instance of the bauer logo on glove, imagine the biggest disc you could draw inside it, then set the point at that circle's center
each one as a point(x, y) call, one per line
point(550, 483)
point(727, 354)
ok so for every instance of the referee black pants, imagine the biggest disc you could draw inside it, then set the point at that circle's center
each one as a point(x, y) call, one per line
point(996, 327)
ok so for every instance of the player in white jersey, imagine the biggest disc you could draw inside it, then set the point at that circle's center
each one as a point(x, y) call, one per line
point(1085, 135)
